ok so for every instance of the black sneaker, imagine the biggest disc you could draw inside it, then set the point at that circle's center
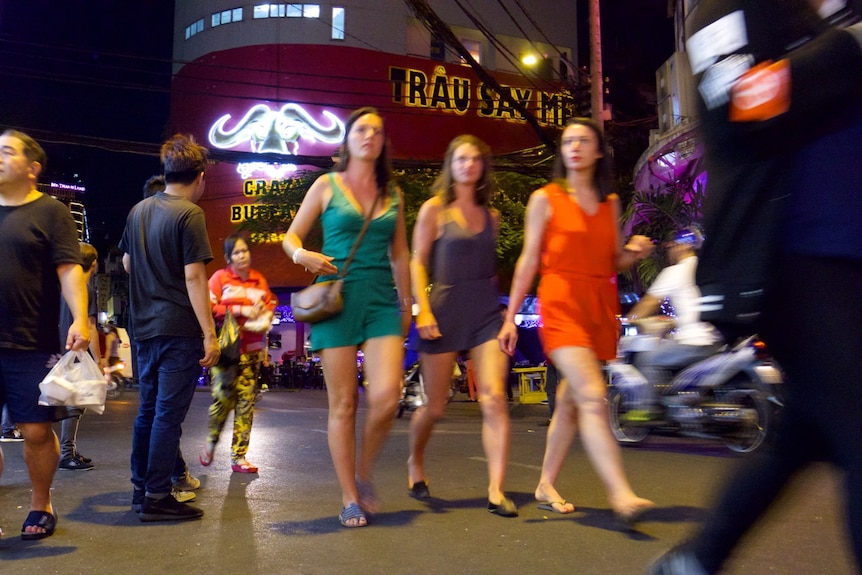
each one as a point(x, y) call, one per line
point(13, 435)
point(168, 509)
point(75, 464)
point(84, 459)
point(138, 499)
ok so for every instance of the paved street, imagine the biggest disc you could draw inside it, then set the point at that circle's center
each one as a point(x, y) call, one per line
point(284, 521)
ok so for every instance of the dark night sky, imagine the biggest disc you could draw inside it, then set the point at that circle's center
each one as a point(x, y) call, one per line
point(100, 70)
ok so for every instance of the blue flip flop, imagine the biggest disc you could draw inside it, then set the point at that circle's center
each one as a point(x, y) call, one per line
point(42, 519)
point(352, 511)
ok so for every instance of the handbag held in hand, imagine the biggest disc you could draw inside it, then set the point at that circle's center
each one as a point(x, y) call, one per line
point(322, 300)
point(318, 301)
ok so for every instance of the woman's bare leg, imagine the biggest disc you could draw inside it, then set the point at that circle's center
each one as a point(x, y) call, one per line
point(437, 377)
point(339, 371)
point(384, 358)
point(561, 433)
point(586, 387)
point(490, 365)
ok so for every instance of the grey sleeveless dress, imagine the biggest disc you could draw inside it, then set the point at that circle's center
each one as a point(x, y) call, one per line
point(463, 289)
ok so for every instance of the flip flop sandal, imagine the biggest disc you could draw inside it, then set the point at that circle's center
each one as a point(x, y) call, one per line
point(550, 506)
point(350, 513)
point(206, 455)
point(506, 508)
point(627, 521)
point(243, 467)
point(42, 519)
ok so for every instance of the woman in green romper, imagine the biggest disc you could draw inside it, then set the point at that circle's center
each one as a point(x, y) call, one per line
point(375, 318)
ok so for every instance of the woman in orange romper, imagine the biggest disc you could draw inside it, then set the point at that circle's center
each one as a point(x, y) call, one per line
point(571, 231)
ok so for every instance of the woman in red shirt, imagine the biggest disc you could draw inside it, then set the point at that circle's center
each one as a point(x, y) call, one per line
point(572, 234)
point(246, 294)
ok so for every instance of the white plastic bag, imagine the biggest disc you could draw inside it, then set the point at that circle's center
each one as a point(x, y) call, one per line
point(76, 381)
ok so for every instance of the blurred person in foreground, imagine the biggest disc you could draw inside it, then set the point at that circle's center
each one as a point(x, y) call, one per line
point(455, 285)
point(166, 249)
point(780, 86)
point(41, 260)
point(571, 231)
point(372, 318)
point(245, 293)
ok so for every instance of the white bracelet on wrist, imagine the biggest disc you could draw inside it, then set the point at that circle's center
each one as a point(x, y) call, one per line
point(296, 253)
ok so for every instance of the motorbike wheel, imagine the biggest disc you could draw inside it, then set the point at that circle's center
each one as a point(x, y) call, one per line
point(750, 398)
point(624, 433)
point(115, 388)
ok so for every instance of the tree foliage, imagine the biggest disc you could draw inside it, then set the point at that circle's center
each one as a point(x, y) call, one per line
point(660, 211)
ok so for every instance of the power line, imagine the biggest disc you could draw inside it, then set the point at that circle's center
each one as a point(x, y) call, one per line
point(436, 26)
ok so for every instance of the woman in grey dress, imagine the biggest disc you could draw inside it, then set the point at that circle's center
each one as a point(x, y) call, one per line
point(454, 252)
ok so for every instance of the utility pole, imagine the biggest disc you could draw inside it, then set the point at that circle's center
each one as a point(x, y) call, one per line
point(597, 100)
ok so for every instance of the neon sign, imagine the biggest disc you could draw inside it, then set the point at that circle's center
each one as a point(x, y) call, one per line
point(276, 131)
point(71, 187)
point(414, 88)
point(272, 171)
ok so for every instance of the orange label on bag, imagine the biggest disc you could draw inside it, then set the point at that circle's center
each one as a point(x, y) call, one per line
point(762, 93)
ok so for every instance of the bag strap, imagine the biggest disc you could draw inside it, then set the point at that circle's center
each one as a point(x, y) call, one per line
point(355, 247)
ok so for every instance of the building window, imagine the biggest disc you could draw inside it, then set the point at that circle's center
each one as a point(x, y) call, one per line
point(195, 28)
point(226, 17)
point(286, 11)
point(475, 49)
point(337, 23)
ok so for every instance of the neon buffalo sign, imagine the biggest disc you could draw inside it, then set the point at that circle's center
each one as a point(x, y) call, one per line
point(276, 131)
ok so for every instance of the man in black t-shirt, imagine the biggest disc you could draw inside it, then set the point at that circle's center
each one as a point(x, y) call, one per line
point(41, 260)
point(166, 250)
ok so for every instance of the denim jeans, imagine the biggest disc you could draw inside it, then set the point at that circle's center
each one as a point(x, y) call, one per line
point(168, 375)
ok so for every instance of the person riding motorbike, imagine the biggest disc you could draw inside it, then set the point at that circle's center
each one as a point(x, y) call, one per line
point(691, 340)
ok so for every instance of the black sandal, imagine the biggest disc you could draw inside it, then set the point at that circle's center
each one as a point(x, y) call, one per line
point(506, 508)
point(43, 519)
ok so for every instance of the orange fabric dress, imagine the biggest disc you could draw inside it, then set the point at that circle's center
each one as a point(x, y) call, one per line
point(578, 290)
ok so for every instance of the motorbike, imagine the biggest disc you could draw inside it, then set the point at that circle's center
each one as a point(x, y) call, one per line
point(413, 389)
point(733, 395)
point(117, 382)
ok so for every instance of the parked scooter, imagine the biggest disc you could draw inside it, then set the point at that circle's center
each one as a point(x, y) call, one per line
point(733, 395)
point(413, 389)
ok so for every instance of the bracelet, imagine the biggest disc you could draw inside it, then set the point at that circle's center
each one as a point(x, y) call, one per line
point(296, 253)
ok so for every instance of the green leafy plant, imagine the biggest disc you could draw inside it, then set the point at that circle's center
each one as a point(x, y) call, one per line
point(657, 213)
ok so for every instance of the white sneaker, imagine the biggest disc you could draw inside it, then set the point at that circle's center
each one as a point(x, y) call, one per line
point(187, 483)
point(183, 496)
